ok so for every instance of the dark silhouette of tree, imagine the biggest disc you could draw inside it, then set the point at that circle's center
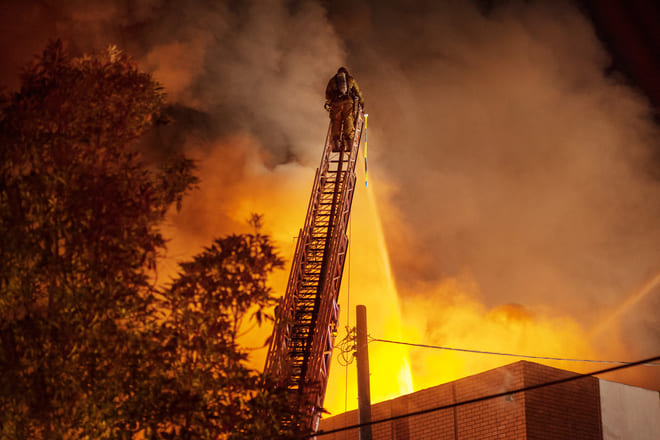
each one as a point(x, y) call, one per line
point(203, 314)
point(89, 348)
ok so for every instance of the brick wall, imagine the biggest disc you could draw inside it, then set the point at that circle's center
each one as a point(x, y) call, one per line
point(502, 417)
point(570, 410)
point(436, 424)
point(347, 419)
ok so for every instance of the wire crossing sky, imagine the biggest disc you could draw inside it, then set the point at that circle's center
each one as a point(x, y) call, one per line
point(491, 396)
point(464, 350)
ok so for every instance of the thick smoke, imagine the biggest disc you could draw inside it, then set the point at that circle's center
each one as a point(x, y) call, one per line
point(515, 160)
point(501, 152)
point(255, 67)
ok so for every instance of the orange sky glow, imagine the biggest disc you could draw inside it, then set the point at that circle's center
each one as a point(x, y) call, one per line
point(449, 314)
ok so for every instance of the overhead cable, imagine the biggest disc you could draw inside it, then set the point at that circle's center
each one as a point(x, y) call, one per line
point(346, 348)
point(465, 350)
point(488, 397)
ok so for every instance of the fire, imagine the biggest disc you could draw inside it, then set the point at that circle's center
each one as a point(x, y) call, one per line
point(450, 315)
point(236, 183)
point(368, 280)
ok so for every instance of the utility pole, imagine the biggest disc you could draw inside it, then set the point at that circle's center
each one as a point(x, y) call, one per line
point(364, 391)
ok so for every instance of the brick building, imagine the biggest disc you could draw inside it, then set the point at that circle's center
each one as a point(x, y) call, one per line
point(583, 409)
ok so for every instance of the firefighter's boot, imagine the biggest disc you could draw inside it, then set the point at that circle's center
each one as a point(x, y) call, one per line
point(336, 145)
point(348, 143)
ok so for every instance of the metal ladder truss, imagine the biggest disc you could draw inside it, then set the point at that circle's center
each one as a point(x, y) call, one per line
point(300, 350)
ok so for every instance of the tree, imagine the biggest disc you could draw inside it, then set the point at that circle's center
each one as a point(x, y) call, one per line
point(203, 313)
point(89, 348)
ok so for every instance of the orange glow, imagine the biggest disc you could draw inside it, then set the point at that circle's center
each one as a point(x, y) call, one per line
point(630, 302)
point(235, 183)
point(368, 280)
point(448, 315)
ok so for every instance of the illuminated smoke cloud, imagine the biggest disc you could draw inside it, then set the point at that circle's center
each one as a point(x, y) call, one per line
point(259, 67)
point(514, 159)
point(501, 153)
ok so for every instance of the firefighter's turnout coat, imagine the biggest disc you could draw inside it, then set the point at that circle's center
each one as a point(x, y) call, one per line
point(340, 93)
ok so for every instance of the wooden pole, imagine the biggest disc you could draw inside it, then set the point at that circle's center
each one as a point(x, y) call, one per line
point(362, 354)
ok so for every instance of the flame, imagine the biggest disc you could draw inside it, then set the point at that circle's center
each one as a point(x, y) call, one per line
point(368, 280)
point(450, 315)
point(236, 183)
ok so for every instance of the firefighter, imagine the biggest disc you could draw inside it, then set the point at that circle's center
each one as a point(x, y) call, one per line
point(340, 95)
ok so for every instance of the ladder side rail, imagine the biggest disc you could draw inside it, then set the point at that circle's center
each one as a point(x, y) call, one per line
point(295, 320)
point(283, 316)
point(315, 375)
point(277, 352)
point(346, 200)
point(332, 323)
point(335, 187)
point(349, 191)
point(333, 281)
point(319, 181)
point(276, 356)
point(313, 382)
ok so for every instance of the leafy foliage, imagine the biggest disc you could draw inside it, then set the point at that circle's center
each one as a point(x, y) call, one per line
point(203, 313)
point(88, 347)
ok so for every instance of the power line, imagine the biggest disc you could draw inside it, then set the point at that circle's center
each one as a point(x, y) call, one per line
point(491, 396)
point(348, 315)
point(465, 350)
point(346, 348)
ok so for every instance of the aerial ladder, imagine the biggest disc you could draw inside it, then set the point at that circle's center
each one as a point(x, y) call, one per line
point(303, 338)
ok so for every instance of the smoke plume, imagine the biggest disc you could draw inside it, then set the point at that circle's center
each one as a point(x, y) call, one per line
point(514, 174)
